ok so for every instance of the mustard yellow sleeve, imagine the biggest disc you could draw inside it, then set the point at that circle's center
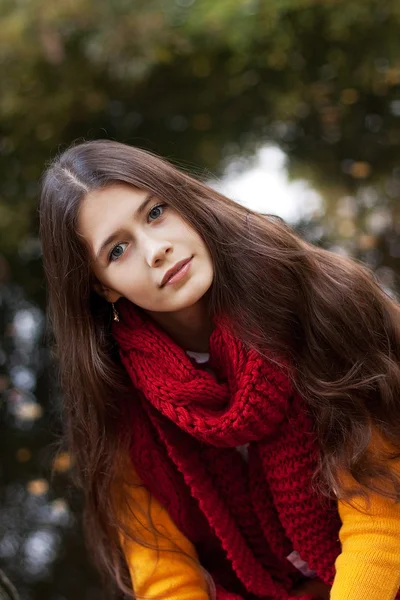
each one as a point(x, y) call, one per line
point(172, 572)
point(369, 566)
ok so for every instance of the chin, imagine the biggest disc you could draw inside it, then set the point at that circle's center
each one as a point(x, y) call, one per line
point(189, 298)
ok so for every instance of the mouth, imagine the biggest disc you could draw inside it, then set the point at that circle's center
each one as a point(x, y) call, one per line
point(177, 271)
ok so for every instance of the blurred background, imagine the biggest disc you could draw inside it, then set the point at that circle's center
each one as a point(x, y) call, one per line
point(289, 106)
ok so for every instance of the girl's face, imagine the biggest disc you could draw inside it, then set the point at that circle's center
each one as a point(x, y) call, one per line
point(143, 250)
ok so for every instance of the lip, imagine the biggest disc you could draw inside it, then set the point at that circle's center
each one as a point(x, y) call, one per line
point(176, 272)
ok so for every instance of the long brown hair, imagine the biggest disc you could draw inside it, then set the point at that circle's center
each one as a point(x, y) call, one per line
point(324, 314)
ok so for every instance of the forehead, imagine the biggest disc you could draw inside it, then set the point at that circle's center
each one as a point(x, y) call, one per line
point(105, 210)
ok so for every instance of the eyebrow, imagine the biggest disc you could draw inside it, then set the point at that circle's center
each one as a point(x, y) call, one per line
point(116, 234)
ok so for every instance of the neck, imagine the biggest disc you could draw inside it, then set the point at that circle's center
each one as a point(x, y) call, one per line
point(190, 328)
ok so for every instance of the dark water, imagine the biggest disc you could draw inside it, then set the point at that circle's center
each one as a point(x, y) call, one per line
point(315, 99)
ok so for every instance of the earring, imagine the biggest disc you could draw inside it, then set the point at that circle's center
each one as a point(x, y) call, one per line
point(115, 312)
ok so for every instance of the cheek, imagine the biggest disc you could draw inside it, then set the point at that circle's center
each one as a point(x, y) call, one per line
point(122, 277)
point(198, 242)
point(137, 284)
point(203, 250)
point(135, 280)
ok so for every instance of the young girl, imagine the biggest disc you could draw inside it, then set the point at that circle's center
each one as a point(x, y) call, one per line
point(232, 392)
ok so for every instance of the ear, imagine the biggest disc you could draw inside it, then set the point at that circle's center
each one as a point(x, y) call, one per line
point(105, 292)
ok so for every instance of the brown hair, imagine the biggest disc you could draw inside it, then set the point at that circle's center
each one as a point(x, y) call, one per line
point(323, 313)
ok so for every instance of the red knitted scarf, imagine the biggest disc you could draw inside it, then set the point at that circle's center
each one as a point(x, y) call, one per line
point(243, 518)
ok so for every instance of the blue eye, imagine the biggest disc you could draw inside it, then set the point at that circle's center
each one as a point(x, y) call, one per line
point(156, 212)
point(117, 252)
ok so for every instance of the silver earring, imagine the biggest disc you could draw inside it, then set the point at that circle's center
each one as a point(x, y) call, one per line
point(115, 312)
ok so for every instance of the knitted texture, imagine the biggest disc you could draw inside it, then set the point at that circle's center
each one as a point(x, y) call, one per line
point(244, 519)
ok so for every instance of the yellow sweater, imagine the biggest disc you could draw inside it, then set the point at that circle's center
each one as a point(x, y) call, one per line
point(172, 572)
point(367, 569)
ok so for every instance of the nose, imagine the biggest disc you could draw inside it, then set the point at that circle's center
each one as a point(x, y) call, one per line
point(156, 251)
